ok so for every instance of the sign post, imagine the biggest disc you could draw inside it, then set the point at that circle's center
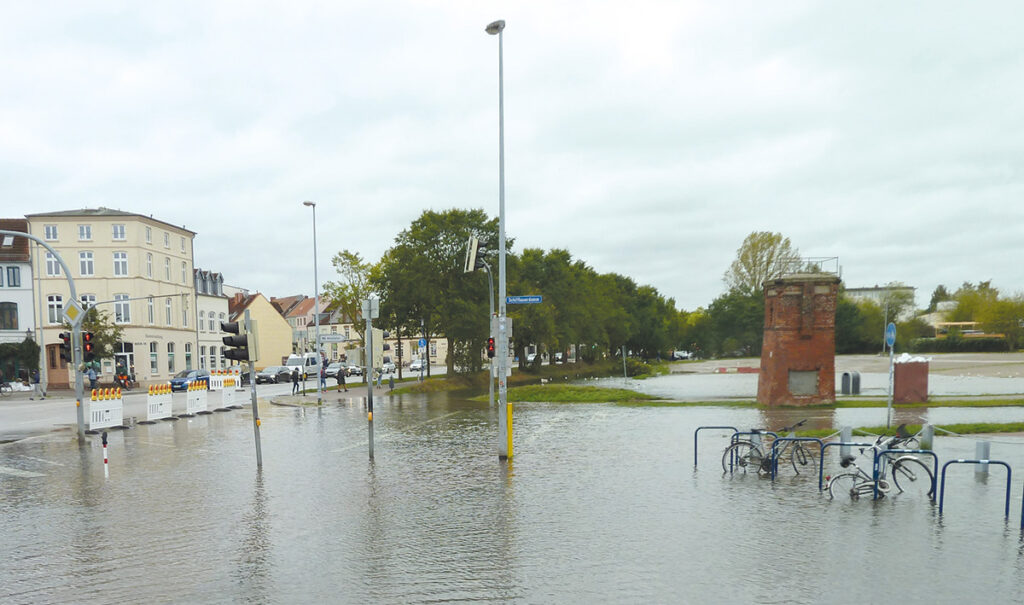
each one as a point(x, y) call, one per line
point(890, 340)
point(371, 310)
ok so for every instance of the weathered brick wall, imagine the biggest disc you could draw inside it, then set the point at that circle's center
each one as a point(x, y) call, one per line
point(798, 356)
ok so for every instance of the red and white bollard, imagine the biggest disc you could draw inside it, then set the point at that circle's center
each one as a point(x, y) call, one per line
point(106, 469)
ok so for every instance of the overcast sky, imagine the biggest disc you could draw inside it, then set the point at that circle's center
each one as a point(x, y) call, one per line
point(647, 138)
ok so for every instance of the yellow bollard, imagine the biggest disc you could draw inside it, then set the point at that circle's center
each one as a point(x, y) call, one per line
point(94, 394)
point(118, 393)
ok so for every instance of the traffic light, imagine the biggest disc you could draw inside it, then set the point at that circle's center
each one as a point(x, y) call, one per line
point(490, 347)
point(243, 346)
point(88, 346)
point(474, 260)
point(65, 347)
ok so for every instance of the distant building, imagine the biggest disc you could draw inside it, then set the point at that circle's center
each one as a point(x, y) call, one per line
point(880, 294)
point(17, 312)
point(273, 333)
point(211, 309)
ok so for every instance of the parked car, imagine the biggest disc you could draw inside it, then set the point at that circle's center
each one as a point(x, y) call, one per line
point(559, 357)
point(274, 374)
point(681, 355)
point(333, 369)
point(530, 357)
point(243, 373)
point(354, 370)
point(388, 367)
point(308, 364)
point(417, 365)
point(184, 378)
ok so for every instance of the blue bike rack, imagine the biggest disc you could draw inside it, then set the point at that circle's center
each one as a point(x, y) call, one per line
point(775, 450)
point(700, 428)
point(737, 434)
point(879, 454)
point(821, 460)
point(1009, 474)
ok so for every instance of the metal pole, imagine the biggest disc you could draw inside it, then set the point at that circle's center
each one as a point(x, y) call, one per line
point(504, 417)
point(369, 377)
point(490, 318)
point(252, 398)
point(892, 361)
point(316, 309)
point(623, 361)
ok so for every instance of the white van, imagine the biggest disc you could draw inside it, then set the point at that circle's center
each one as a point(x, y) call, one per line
point(307, 363)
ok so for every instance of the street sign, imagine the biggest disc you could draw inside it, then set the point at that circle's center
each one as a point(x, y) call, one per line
point(371, 308)
point(422, 342)
point(890, 334)
point(71, 311)
point(523, 300)
point(332, 338)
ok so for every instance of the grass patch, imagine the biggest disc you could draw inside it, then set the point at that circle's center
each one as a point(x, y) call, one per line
point(563, 393)
point(968, 428)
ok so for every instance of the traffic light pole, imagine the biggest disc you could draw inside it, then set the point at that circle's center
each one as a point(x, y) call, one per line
point(255, 407)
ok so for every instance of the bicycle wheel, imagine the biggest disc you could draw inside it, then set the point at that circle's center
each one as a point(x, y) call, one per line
point(847, 486)
point(803, 458)
point(743, 456)
point(5, 389)
point(912, 477)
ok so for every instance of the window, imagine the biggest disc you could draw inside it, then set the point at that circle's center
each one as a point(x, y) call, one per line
point(52, 266)
point(149, 309)
point(184, 315)
point(1, 277)
point(122, 309)
point(149, 264)
point(13, 277)
point(202, 321)
point(168, 307)
point(184, 273)
point(347, 335)
point(202, 358)
point(213, 358)
point(120, 264)
point(154, 361)
point(119, 233)
point(84, 233)
point(223, 360)
point(170, 357)
point(182, 244)
point(85, 264)
point(88, 300)
point(167, 269)
point(167, 240)
point(54, 308)
point(149, 235)
point(188, 356)
point(212, 329)
point(8, 316)
point(50, 232)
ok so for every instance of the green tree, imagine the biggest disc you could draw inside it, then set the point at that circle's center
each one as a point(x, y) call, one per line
point(737, 324)
point(106, 333)
point(940, 294)
point(352, 289)
point(972, 299)
point(761, 257)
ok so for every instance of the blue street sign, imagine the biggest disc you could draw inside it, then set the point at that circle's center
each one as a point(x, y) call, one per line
point(890, 334)
point(422, 342)
point(523, 300)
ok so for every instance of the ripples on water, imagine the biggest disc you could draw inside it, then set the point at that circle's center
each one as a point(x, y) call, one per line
point(600, 504)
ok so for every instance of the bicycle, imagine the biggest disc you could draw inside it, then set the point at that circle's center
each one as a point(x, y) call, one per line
point(909, 474)
point(749, 455)
point(6, 389)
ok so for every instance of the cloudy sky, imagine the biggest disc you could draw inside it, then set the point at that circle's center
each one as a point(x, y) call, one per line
point(647, 138)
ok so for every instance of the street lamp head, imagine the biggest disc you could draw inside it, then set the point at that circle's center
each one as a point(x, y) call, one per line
point(309, 203)
point(496, 27)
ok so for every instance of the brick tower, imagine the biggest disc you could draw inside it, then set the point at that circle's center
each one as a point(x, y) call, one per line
point(798, 365)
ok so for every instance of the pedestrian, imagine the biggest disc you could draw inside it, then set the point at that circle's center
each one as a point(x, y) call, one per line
point(92, 377)
point(340, 377)
point(295, 381)
point(323, 378)
point(36, 386)
point(391, 382)
point(380, 377)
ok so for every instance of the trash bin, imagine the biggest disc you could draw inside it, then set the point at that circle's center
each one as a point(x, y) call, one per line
point(845, 385)
point(910, 380)
point(850, 383)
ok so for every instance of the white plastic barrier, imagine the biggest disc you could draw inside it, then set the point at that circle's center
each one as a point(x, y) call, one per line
point(158, 402)
point(106, 409)
point(216, 380)
point(195, 398)
point(231, 397)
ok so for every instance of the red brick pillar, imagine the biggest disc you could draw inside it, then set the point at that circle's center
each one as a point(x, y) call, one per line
point(798, 355)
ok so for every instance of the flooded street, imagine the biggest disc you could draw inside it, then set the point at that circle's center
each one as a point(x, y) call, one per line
point(602, 503)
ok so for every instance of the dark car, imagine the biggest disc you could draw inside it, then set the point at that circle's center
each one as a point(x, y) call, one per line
point(184, 378)
point(243, 373)
point(273, 374)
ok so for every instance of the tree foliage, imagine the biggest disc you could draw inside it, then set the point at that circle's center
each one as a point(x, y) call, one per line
point(352, 289)
point(762, 256)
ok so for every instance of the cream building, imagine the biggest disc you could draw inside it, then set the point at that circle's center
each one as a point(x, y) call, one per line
point(273, 333)
point(136, 267)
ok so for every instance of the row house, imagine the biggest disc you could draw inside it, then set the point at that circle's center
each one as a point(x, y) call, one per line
point(17, 314)
point(211, 310)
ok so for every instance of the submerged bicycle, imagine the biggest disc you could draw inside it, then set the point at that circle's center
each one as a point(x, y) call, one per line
point(909, 474)
point(747, 455)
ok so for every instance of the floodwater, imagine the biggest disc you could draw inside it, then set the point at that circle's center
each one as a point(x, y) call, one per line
point(601, 503)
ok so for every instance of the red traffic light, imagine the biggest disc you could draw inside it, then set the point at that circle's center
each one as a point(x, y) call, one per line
point(490, 347)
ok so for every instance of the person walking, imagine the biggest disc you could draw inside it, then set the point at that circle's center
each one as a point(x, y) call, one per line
point(295, 381)
point(323, 377)
point(36, 386)
point(391, 382)
point(380, 377)
point(92, 377)
point(340, 377)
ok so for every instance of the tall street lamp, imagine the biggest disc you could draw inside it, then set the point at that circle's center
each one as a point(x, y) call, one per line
point(316, 309)
point(504, 417)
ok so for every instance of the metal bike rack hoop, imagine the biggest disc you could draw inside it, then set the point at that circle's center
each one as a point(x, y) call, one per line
point(882, 453)
point(1009, 474)
point(700, 428)
point(775, 452)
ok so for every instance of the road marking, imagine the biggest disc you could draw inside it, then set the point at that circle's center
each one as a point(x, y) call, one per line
point(384, 437)
point(18, 473)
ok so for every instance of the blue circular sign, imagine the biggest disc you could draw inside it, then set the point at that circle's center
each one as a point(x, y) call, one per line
point(890, 334)
point(423, 342)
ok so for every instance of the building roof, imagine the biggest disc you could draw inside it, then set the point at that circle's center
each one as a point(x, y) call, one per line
point(302, 308)
point(14, 249)
point(103, 213)
point(285, 304)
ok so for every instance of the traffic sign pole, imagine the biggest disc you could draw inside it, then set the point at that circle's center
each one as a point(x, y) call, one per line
point(890, 339)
